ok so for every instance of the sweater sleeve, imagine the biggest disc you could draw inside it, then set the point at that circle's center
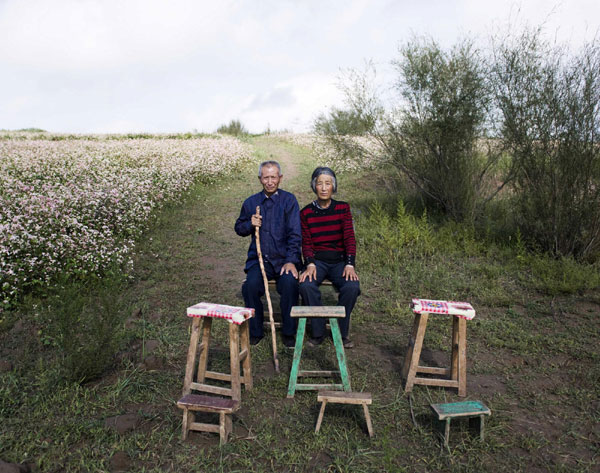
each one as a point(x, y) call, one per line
point(349, 239)
point(308, 251)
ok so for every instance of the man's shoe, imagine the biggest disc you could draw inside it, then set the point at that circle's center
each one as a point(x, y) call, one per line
point(347, 343)
point(289, 341)
point(255, 340)
point(315, 342)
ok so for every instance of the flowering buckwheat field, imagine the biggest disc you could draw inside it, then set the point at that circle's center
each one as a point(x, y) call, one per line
point(78, 205)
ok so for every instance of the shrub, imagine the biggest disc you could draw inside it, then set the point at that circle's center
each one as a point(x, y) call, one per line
point(343, 122)
point(550, 106)
point(234, 128)
point(84, 321)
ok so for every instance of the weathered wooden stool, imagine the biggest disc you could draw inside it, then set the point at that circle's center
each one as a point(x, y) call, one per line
point(339, 397)
point(198, 402)
point(468, 409)
point(332, 313)
point(238, 340)
point(456, 375)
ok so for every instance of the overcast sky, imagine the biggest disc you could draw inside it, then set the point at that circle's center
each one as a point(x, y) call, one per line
point(99, 66)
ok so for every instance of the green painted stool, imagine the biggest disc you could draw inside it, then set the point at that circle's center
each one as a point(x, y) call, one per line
point(469, 409)
point(332, 313)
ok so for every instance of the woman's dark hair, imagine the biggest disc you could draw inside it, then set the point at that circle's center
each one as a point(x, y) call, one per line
point(322, 170)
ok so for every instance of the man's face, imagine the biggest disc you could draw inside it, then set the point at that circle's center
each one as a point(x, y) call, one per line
point(270, 179)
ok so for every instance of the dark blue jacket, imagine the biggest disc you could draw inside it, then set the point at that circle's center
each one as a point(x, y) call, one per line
point(280, 233)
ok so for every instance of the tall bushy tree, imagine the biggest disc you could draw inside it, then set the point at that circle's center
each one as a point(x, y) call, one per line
point(441, 140)
point(550, 106)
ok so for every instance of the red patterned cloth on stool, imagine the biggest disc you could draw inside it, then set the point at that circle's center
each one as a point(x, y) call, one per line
point(463, 310)
point(236, 315)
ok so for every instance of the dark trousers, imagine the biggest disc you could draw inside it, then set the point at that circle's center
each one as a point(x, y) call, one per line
point(348, 293)
point(253, 289)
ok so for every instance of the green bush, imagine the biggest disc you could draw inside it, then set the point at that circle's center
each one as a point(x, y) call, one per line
point(343, 122)
point(234, 128)
point(550, 107)
point(84, 321)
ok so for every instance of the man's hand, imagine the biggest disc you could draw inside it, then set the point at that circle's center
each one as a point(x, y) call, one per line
point(256, 220)
point(349, 273)
point(310, 272)
point(289, 268)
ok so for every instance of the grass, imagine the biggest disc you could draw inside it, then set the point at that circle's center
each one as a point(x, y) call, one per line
point(532, 352)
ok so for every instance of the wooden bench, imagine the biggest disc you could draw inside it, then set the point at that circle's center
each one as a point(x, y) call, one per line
point(467, 409)
point(191, 403)
point(339, 397)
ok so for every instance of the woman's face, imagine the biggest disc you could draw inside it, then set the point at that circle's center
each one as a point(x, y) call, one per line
point(324, 187)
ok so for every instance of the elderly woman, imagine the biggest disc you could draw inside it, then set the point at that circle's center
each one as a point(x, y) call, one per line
point(329, 250)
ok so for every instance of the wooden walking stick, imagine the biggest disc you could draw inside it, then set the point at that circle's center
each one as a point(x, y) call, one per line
point(266, 283)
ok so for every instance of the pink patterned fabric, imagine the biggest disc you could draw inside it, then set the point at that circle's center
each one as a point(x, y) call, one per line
point(463, 310)
point(236, 315)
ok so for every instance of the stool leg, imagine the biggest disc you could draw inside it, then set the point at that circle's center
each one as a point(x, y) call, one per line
point(368, 419)
point(455, 345)
point(447, 432)
point(191, 357)
point(234, 356)
point(462, 357)
point(339, 351)
point(481, 426)
point(186, 423)
point(246, 364)
point(411, 347)
point(416, 352)
point(222, 428)
point(205, 344)
point(320, 418)
point(297, 356)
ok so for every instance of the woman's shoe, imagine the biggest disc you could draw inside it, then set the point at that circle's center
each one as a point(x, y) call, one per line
point(347, 343)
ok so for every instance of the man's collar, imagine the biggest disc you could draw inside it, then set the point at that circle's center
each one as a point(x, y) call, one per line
point(276, 194)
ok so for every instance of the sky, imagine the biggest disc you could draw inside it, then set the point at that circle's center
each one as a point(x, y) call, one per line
point(120, 66)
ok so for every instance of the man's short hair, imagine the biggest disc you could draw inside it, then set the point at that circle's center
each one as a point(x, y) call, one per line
point(268, 163)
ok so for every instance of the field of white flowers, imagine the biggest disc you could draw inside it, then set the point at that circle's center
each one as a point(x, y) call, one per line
point(77, 206)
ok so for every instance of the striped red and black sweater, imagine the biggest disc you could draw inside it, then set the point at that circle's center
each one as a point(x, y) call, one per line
point(328, 234)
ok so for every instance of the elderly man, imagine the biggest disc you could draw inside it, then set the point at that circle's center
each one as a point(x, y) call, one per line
point(280, 240)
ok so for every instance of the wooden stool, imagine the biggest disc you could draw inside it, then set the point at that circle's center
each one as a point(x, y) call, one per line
point(238, 340)
point(345, 398)
point(457, 373)
point(469, 409)
point(197, 402)
point(332, 313)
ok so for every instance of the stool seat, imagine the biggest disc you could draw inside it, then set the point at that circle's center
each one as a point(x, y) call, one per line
point(469, 409)
point(456, 375)
point(332, 313)
point(338, 397)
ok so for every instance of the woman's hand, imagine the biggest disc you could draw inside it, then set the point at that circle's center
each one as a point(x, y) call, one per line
point(310, 272)
point(349, 273)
